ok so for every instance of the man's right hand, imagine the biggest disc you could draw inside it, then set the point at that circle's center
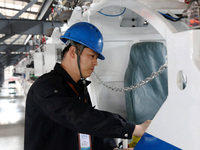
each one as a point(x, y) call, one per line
point(140, 129)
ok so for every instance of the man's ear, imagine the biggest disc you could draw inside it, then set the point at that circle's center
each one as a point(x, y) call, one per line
point(72, 51)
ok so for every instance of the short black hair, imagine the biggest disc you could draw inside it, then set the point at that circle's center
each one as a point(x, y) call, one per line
point(66, 49)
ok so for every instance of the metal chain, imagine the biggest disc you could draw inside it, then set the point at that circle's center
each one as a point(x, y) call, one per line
point(137, 85)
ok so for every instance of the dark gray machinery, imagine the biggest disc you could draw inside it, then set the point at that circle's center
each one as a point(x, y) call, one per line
point(10, 53)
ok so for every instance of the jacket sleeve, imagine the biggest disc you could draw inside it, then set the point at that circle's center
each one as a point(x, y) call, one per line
point(104, 143)
point(70, 112)
point(109, 144)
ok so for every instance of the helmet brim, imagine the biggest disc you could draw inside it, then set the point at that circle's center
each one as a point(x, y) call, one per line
point(64, 40)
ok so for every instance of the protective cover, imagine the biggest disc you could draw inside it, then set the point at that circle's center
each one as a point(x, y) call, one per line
point(143, 103)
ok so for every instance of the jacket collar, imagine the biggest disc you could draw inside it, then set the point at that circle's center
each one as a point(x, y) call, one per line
point(58, 68)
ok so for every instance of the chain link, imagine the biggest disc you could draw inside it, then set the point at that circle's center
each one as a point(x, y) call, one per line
point(137, 85)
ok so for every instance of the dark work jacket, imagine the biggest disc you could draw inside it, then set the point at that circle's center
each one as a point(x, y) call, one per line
point(55, 114)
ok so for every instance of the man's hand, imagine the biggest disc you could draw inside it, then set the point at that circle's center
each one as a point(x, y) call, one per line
point(140, 129)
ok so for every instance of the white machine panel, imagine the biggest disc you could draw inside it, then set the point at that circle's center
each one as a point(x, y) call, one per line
point(52, 54)
point(38, 63)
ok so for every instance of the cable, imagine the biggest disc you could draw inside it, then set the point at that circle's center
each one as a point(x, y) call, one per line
point(113, 15)
point(170, 17)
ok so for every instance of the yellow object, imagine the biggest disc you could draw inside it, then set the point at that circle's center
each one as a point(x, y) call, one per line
point(135, 140)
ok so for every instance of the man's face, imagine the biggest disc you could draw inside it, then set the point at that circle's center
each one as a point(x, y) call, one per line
point(88, 61)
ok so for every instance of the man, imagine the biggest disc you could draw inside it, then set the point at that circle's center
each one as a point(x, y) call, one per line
point(59, 113)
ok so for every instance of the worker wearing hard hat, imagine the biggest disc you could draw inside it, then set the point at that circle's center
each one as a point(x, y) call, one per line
point(59, 113)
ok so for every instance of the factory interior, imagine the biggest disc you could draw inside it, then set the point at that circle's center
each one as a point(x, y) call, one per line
point(166, 91)
point(24, 24)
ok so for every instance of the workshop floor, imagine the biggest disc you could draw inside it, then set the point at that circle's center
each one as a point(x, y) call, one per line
point(12, 106)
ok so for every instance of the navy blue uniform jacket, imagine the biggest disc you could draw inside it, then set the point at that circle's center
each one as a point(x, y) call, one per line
point(55, 114)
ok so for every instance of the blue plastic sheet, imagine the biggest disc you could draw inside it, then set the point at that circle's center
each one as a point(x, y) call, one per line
point(144, 102)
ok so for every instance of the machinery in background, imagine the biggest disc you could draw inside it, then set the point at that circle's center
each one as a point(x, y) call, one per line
point(40, 60)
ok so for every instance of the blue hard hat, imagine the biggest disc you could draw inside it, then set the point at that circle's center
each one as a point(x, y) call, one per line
point(85, 34)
